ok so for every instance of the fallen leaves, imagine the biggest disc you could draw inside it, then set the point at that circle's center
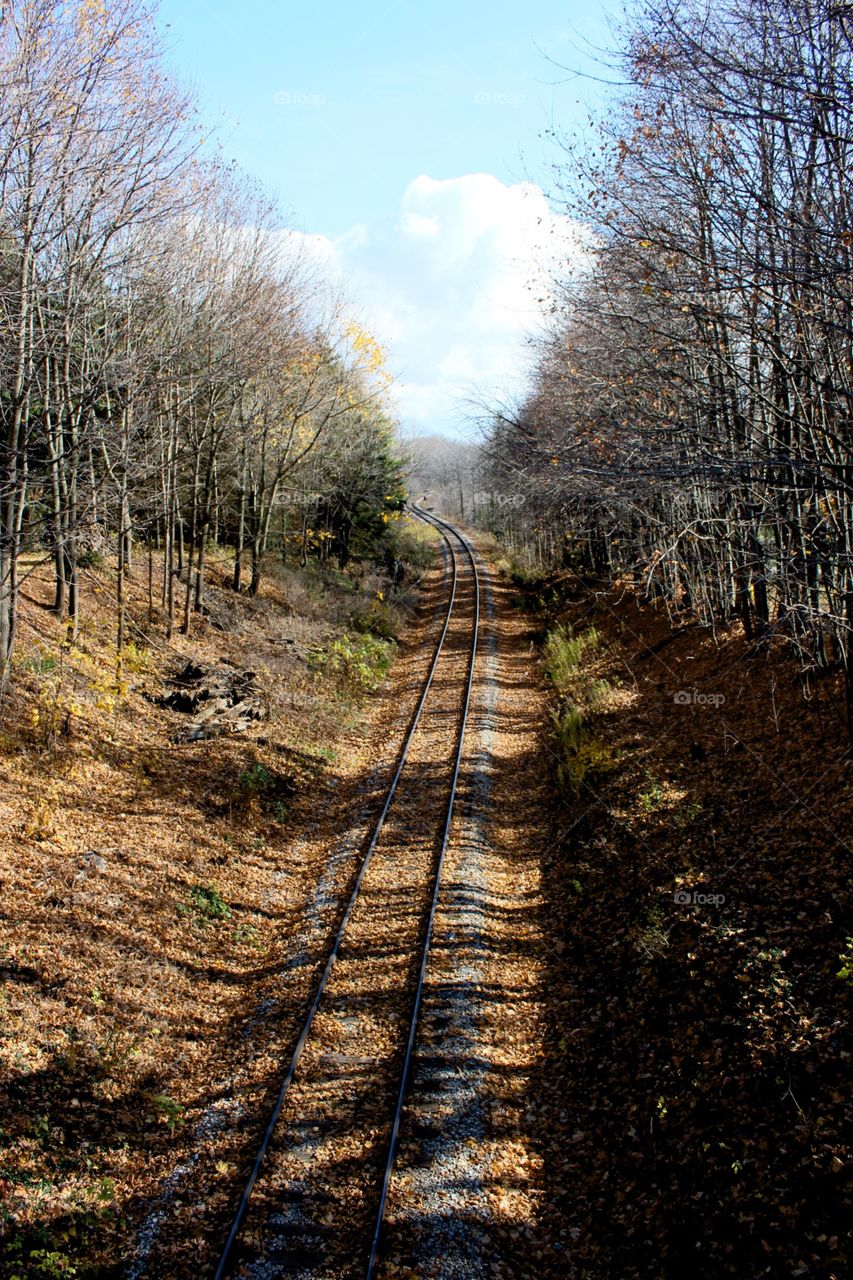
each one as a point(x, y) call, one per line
point(694, 1094)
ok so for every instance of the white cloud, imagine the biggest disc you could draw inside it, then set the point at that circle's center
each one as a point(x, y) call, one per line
point(449, 283)
point(417, 225)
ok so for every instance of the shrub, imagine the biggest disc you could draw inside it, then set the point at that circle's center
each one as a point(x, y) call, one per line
point(136, 659)
point(255, 781)
point(169, 1110)
point(357, 663)
point(521, 571)
point(652, 798)
point(412, 544)
point(599, 693)
point(564, 652)
point(270, 791)
point(204, 903)
point(381, 619)
point(49, 1263)
point(581, 758)
point(845, 973)
point(89, 558)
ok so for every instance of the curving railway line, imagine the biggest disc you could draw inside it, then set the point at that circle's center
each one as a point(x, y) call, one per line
point(313, 1204)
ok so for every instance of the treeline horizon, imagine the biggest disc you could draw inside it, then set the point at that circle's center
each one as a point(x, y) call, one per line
point(690, 419)
point(173, 368)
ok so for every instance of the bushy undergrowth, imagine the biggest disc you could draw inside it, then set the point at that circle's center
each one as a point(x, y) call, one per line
point(521, 571)
point(580, 756)
point(380, 618)
point(563, 653)
point(412, 544)
point(357, 663)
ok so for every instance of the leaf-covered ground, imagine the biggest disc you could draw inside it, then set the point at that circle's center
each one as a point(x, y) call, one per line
point(148, 887)
point(694, 1105)
point(688, 1113)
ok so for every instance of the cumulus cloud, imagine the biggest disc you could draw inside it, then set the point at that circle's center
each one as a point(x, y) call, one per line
point(449, 283)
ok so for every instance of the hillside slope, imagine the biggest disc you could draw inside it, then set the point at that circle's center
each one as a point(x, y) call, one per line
point(694, 1098)
point(149, 874)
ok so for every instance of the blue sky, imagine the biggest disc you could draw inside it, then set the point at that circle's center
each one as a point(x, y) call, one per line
point(405, 141)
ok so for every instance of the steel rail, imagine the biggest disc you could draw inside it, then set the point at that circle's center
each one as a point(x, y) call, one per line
point(263, 1149)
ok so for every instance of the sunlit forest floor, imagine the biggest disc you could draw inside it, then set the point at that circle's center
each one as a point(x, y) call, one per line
point(144, 898)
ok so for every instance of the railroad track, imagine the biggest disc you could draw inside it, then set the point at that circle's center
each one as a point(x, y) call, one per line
point(314, 1201)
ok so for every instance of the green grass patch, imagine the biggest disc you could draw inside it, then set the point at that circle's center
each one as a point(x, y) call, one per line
point(564, 652)
point(581, 758)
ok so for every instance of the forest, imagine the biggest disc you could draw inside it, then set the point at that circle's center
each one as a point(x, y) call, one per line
point(424, 856)
point(690, 422)
point(171, 362)
point(676, 487)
